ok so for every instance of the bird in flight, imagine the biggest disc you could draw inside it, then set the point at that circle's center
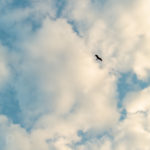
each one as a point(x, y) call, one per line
point(98, 58)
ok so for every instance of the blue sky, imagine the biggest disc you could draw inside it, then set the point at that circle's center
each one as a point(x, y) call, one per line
point(54, 95)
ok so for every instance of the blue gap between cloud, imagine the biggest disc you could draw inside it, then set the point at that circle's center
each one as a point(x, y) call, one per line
point(9, 105)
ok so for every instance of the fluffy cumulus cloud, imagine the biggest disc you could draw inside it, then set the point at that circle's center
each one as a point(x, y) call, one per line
point(54, 95)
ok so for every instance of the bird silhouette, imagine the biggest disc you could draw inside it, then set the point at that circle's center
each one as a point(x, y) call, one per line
point(98, 58)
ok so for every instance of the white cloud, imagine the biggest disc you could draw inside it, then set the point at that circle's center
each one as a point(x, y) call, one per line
point(62, 86)
point(103, 144)
point(138, 101)
point(12, 136)
point(132, 133)
point(61, 89)
point(69, 80)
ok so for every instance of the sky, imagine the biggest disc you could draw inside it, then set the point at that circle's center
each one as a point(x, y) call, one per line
point(54, 94)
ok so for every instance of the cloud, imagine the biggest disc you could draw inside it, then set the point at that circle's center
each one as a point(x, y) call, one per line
point(132, 133)
point(12, 136)
point(4, 73)
point(68, 79)
point(138, 101)
point(59, 87)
